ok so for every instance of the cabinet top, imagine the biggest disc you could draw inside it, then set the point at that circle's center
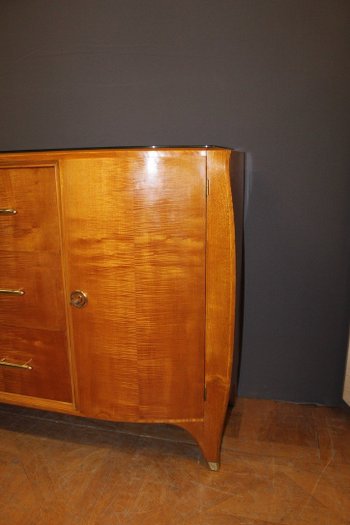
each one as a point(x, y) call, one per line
point(106, 148)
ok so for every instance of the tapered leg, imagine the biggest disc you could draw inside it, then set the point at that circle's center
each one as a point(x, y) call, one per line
point(208, 432)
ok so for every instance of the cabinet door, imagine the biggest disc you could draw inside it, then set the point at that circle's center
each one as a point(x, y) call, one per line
point(135, 226)
point(33, 342)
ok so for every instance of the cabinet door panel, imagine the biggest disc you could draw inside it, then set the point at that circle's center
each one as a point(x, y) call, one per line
point(135, 237)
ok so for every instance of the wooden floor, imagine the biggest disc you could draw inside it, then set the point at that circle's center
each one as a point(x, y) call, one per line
point(281, 463)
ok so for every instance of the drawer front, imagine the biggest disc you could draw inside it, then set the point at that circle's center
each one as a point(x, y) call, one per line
point(38, 276)
point(34, 363)
point(32, 305)
point(30, 192)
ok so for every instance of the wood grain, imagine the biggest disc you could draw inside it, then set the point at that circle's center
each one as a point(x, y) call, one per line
point(33, 326)
point(220, 302)
point(39, 274)
point(44, 350)
point(136, 246)
point(31, 191)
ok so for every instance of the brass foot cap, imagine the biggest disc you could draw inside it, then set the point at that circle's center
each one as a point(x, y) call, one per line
point(214, 466)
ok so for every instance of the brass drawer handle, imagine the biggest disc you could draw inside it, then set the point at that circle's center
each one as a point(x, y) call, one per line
point(25, 366)
point(11, 292)
point(78, 299)
point(7, 211)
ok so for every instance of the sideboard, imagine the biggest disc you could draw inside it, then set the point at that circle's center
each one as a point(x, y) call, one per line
point(118, 284)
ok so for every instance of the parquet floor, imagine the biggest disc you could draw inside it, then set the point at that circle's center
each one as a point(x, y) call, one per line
point(281, 464)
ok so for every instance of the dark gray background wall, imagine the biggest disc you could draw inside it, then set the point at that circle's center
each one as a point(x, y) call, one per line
point(269, 77)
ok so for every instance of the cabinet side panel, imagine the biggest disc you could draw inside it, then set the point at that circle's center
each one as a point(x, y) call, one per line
point(220, 307)
point(220, 292)
point(237, 190)
point(221, 269)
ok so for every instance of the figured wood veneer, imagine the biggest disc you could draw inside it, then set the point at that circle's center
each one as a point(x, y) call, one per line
point(148, 235)
point(32, 326)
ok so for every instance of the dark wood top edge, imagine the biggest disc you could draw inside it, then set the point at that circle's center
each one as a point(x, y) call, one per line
point(111, 148)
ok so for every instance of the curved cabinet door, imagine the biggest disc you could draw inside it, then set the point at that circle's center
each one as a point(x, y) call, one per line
point(135, 226)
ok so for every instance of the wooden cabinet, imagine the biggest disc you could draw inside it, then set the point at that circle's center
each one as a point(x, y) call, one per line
point(144, 239)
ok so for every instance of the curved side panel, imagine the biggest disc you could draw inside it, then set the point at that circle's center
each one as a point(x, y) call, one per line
point(220, 313)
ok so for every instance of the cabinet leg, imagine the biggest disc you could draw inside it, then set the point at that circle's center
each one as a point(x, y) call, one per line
point(208, 432)
point(209, 441)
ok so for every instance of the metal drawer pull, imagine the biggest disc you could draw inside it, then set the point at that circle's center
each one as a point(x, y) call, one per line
point(12, 292)
point(25, 366)
point(7, 211)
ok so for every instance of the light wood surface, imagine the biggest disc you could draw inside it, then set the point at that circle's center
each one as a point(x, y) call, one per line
point(220, 303)
point(39, 274)
point(136, 246)
point(33, 326)
point(148, 235)
point(31, 191)
point(44, 351)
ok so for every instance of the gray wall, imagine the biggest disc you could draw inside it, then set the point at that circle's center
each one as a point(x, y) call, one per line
point(269, 77)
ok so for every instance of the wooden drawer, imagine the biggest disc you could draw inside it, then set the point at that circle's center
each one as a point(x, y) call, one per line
point(32, 193)
point(39, 274)
point(44, 352)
